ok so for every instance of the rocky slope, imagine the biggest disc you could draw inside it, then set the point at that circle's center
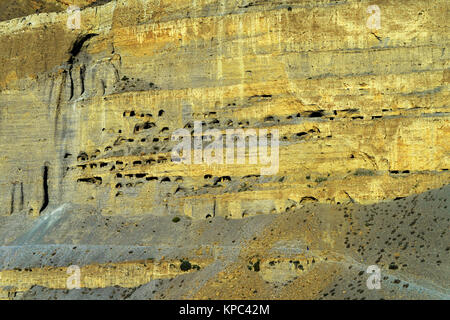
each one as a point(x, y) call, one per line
point(87, 116)
point(316, 251)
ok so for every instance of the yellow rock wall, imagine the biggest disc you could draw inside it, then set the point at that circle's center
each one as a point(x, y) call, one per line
point(362, 115)
point(124, 274)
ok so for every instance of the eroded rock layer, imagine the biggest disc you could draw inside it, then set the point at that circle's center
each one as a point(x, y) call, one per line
point(361, 116)
point(87, 117)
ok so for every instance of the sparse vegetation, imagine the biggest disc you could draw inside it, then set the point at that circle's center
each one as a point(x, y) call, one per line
point(254, 266)
point(185, 265)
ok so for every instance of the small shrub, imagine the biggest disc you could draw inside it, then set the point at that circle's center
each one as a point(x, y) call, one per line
point(176, 219)
point(185, 265)
point(254, 266)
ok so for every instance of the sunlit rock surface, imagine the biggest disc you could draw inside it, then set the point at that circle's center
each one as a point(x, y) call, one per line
point(87, 115)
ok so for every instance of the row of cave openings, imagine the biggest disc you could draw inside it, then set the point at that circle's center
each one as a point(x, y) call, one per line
point(214, 123)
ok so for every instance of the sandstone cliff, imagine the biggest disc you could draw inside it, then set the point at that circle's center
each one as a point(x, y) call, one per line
point(87, 115)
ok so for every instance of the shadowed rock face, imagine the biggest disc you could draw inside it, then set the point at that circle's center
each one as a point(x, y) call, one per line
point(86, 124)
point(11, 9)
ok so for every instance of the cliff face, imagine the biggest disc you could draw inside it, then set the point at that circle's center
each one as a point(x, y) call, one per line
point(87, 115)
point(361, 115)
